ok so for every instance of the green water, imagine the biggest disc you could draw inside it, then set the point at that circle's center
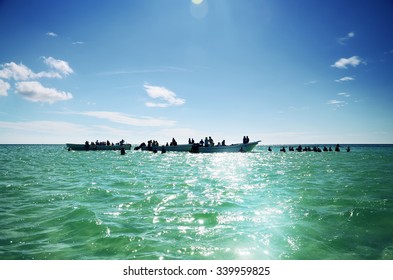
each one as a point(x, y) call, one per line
point(56, 204)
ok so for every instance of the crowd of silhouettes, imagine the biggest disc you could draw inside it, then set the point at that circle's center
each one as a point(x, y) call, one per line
point(309, 149)
point(92, 144)
point(152, 145)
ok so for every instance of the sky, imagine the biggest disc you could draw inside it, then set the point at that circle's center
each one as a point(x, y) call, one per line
point(277, 71)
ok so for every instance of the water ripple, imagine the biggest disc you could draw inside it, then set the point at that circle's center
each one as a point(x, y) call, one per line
point(100, 205)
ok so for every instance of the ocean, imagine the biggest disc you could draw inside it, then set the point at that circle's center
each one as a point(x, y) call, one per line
point(100, 205)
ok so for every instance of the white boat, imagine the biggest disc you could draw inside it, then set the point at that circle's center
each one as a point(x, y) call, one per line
point(234, 148)
point(94, 147)
point(195, 148)
point(177, 148)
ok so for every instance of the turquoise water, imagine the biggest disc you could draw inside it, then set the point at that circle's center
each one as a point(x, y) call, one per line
point(56, 204)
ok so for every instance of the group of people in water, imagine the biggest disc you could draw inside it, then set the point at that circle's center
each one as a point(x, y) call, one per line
point(309, 149)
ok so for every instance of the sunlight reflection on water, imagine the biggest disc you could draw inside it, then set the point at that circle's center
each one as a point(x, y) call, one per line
point(256, 205)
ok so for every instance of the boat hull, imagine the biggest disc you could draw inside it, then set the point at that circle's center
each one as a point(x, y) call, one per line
point(234, 148)
point(83, 147)
point(178, 148)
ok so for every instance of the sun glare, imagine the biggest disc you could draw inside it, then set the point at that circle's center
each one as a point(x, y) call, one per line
point(199, 8)
point(197, 2)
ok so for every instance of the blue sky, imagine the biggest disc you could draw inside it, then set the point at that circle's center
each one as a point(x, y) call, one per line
point(278, 71)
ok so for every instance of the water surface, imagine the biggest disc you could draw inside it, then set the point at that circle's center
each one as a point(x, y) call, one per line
point(57, 204)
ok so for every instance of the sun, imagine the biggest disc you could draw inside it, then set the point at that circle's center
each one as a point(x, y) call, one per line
point(197, 2)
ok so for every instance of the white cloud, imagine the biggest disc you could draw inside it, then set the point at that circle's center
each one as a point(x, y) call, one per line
point(45, 74)
point(4, 87)
point(78, 43)
point(20, 72)
point(51, 34)
point(343, 40)
point(344, 94)
point(336, 103)
point(169, 97)
point(156, 105)
point(345, 79)
point(122, 118)
point(59, 65)
point(15, 71)
point(343, 63)
point(36, 92)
